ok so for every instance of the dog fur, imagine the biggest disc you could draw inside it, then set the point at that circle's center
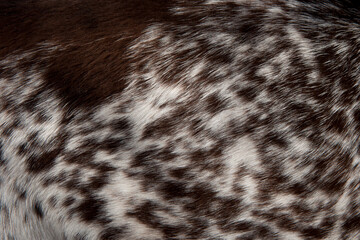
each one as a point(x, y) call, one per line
point(179, 119)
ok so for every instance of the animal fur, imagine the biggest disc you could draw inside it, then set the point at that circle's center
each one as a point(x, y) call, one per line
point(179, 119)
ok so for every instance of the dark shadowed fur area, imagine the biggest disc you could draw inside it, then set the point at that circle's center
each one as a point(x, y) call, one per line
point(179, 119)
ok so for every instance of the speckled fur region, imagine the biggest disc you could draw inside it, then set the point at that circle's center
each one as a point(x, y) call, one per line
point(179, 119)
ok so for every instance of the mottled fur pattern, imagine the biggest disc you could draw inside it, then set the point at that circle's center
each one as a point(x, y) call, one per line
point(179, 119)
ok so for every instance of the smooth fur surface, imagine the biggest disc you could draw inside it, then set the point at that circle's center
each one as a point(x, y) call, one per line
point(179, 119)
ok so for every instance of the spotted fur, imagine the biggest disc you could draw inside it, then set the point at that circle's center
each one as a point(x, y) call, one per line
point(179, 119)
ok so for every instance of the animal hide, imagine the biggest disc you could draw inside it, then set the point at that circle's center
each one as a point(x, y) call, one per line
point(179, 119)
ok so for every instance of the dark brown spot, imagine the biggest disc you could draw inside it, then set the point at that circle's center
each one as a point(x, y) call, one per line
point(38, 210)
point(248, 236)
point(239, 226)
point(202, 196)
point(314, 233)
point(97, 182)
point(179, 173)
point(304, 116)
point(172, 190)
point(80, 86)
point(337, 121)
point(357, 116)
point(215, 103)
point(275, 139)
point(92, 210)
point(198, 156)
point(22, 149)
point(74, 182)
point(53, 201)
point(198, 226)
point(7, 131)
point(37, 164)
point(102, 168)
point(159, 128)
point(285, 222)
point(32, 101)
point(144, 158)
point(196, 126)
point(68, 201)
point(352, 223)
point(249, 94)
point(144, 213)
point(2, 159)
point(334, 183)
point(249, 27)
point(166, 154)
point(301, 209)
point(328, 223)
point(122, 125)
point(171, 231)
point(114, 144)
point(228, 208)
point(82, 158)
point(222, 56)
point(112, 233)
point(265, 232)
point(297, 188)
point(22, 195)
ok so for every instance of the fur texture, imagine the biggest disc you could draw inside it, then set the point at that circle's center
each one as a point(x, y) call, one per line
point(159, 119)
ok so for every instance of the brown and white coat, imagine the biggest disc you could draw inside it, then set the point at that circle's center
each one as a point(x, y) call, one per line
point(179, 119)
